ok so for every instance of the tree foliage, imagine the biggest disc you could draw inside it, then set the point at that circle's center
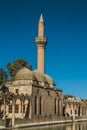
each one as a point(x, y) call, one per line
point(14, 67)
point(3, 77)
point(68, 96)
point(4, 89)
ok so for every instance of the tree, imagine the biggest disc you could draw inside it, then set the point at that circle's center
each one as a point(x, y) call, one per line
point(68, 96)
point(16, 66)
point(3, 77)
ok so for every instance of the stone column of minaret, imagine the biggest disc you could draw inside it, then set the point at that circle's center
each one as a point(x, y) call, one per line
point(41, 42)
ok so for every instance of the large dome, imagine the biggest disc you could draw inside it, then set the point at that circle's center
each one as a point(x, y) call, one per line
point(24, 73)
point(40, 76)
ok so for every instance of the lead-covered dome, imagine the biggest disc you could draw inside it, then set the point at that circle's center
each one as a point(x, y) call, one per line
point(24, 73)
point(50, 81)
point(39, 76)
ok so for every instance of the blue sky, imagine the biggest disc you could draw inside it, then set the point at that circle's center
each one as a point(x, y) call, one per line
point(66, 29)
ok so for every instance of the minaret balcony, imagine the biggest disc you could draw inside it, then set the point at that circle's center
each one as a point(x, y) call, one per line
point(41, 40)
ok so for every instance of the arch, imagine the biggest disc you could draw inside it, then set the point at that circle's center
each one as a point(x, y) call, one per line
point(71, 112)
point(27, 109)
point(35, 105)
point(26, 102)
point(18, 106)
point(76, 111)
point(64, 107)
point(59, 107)
point(18, 101)
point(55, 111)
point(10, 108)
point(41, 105)
point(79, 110)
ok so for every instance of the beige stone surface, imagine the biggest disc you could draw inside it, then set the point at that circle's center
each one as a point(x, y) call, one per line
point(41, 42)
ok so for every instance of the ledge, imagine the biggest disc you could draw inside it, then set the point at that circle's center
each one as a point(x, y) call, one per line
point(48, 123)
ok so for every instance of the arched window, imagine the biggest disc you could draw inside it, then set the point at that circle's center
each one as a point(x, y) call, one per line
point(59, 107)
point(24, 108)
point(79, 110)
point(75, 111)
point(41, 105)
point(55, 105)
point(16, 108)
point(71, 111)
point(35, 108)
point(10, 108)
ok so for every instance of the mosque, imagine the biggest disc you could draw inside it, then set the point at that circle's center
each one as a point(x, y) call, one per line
point(33, 94)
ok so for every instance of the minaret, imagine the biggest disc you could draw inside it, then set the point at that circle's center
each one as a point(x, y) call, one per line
point(41, 42)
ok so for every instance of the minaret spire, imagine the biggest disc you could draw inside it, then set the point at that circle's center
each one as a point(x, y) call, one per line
point(41, 18)
point(41, 42)
point(41, 27)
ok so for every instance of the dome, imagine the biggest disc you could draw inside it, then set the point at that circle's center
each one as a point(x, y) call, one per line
point(24, 73)
point(50, 81)
point(40, 76)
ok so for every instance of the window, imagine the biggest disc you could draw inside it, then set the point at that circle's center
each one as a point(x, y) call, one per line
point(10, 108)
point(75, 111)
point(23, 108)
point(41, 105)
point(55, 105)
point(35, 105)
point(16, 91)
point(71, 111)
point(16, 108)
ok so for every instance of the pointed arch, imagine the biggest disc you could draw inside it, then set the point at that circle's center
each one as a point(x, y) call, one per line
point(55, 110)
point(36, 105)
point(41, 105)
point(18, 101)
point(26, 101)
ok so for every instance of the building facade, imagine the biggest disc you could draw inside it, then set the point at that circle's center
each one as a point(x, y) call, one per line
point(72, 107)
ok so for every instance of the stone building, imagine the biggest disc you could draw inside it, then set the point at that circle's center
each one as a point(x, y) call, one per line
point(32, 94)
point(72, 107)
point(84, 108)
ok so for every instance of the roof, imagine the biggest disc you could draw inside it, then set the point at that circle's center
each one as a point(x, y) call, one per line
point(24, 73)
point(49, 80)
point(27, 74)
point(39, 76)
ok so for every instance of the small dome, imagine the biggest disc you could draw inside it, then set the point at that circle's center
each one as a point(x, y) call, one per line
point(39, 76)
point(24, 73)
point(50, 81)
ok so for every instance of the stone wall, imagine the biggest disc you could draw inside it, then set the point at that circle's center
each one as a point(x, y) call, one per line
point(46, 102)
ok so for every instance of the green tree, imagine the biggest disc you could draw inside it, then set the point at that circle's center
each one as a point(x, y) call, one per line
point(3, 77)
point(14, 67)
point(68, 96)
